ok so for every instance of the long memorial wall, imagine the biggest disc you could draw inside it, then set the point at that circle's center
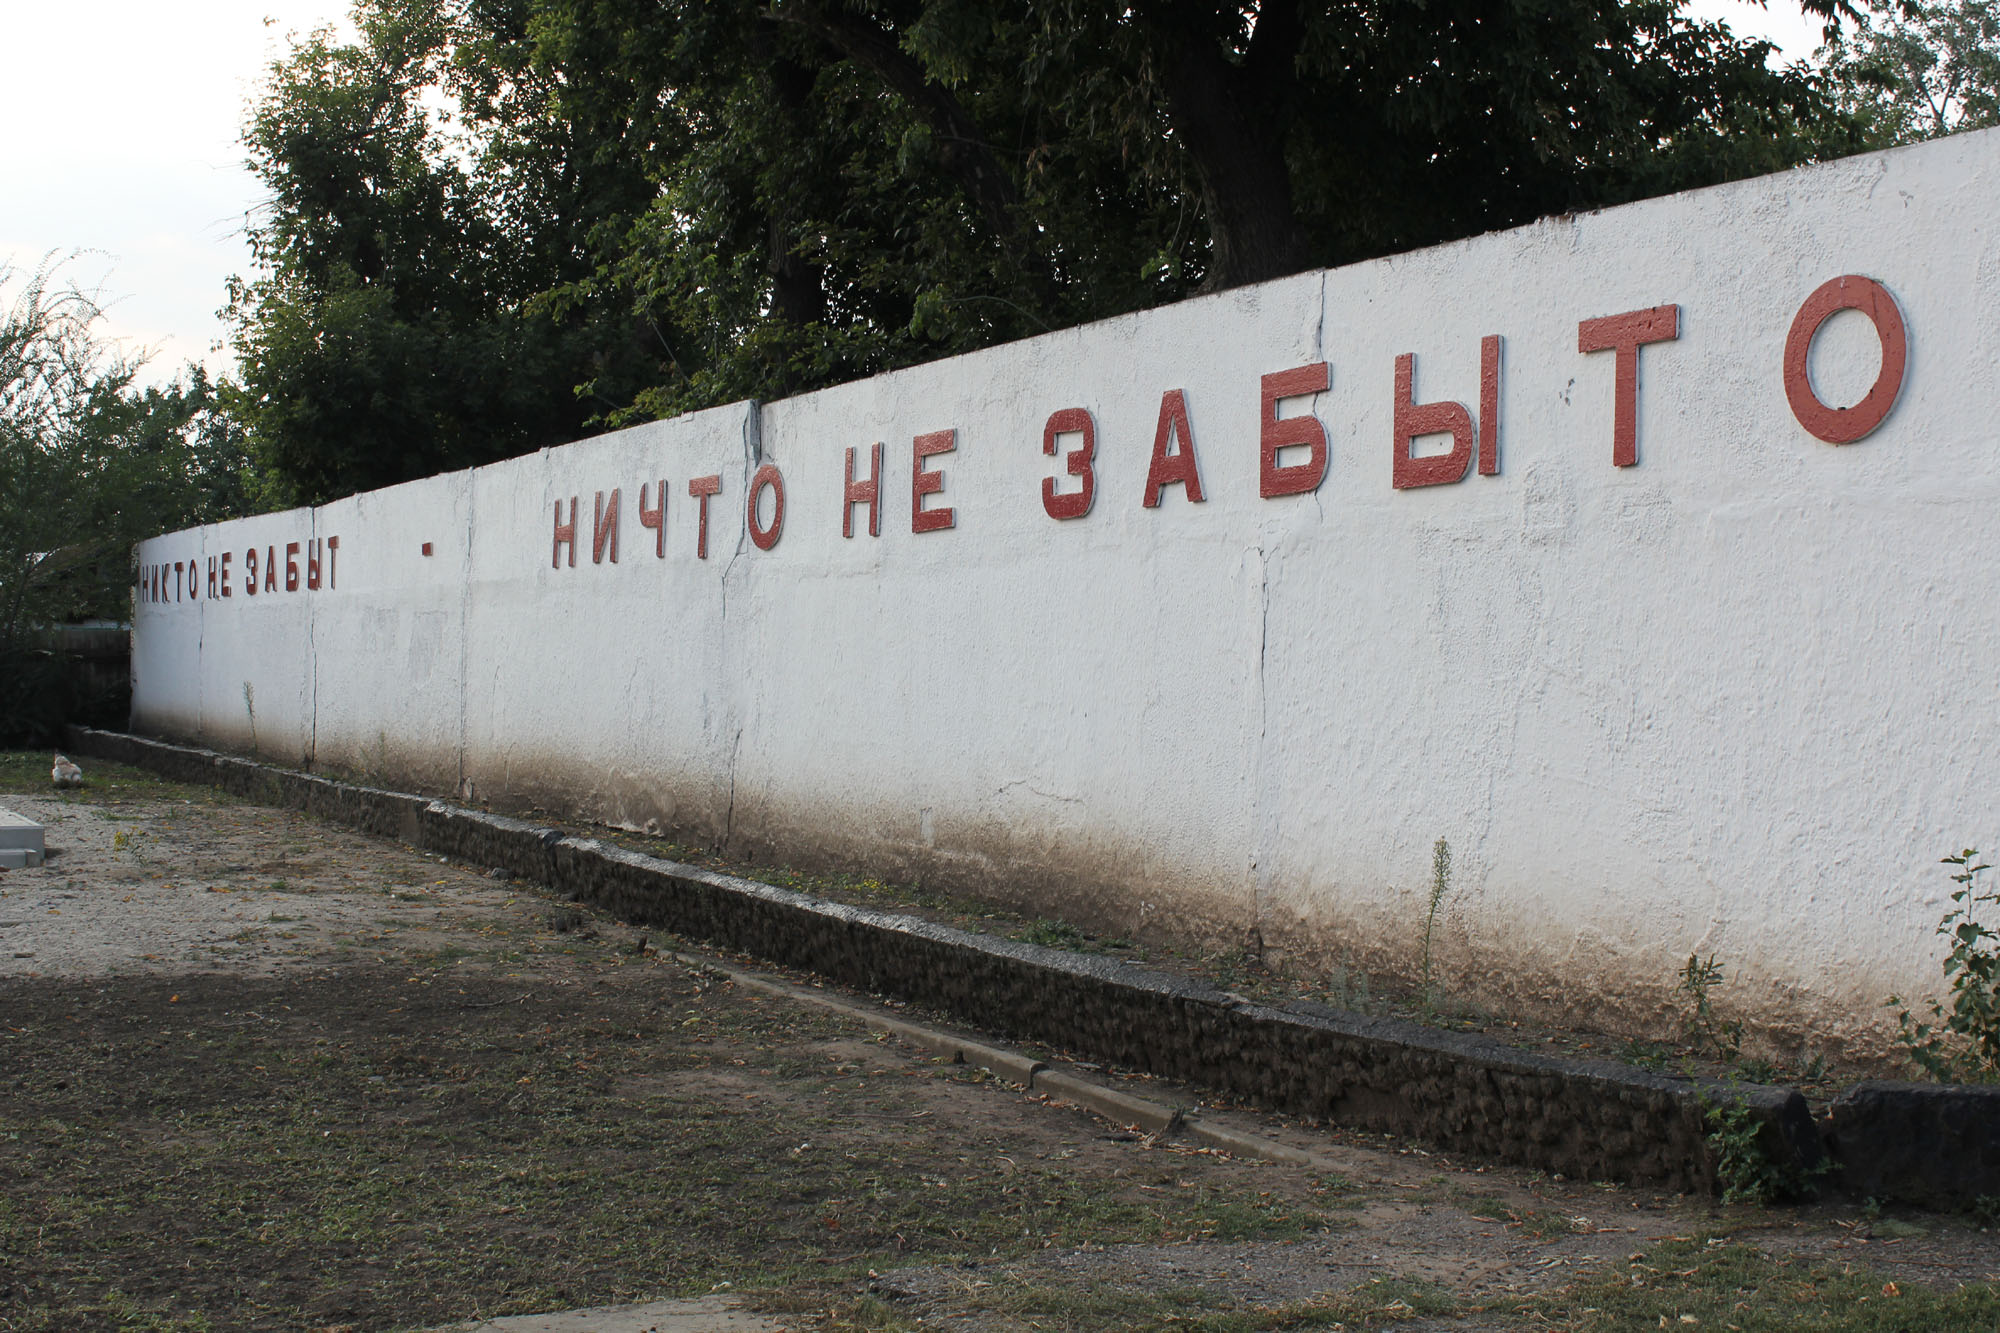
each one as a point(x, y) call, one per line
point(1646, 556)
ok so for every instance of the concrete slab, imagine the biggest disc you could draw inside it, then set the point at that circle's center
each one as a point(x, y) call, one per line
point(700, 1314)
point(19, 858)
point(18, 832)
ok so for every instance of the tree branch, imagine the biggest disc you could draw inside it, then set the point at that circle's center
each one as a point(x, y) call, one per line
point(964, 152)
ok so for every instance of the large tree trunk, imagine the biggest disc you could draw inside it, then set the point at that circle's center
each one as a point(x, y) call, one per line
point(1232, 118)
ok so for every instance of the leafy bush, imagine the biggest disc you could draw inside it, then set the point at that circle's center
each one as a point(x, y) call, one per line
point(1957, 1040)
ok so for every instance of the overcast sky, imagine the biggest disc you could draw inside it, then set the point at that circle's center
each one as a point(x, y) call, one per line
point(122, 121)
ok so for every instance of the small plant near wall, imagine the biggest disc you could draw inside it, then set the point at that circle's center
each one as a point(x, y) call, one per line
point(1745, 1169)
point(1440, 887)
point(1957, 1040)
point(1703, 1030)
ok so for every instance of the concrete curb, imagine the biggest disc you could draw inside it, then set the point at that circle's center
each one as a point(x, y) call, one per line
point(1027, 1073)
point(1589, 1120)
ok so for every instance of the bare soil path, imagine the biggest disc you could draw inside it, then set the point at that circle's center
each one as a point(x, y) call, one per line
point(257, 1072)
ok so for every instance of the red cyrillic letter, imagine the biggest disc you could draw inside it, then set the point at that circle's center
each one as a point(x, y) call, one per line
point(225, 573)
point(1178, 467)
point(766, 538)
point(1414, 419)
point(701, 488)
point(332, 547)
point(312, 562)
point(604, 528)
point(656, 518)
point(1074, 504)
point(1845, 425)
point(211, 576)
point(291, 566)
point(565, 532)
point(250, 571)
point(1278, 432)
point(1489, 405)
point(867, 492)
point(271, 568)
point(924, 483)
point(1625, 334)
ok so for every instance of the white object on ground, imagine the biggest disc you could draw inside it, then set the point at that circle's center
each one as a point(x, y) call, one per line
point(21, 843)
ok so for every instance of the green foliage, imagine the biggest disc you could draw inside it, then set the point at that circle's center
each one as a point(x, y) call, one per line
point(1960, 1042)
point(1703, 1030)
point(420, 200)
point(1745, 1167)
point(493, 226)
point(1440, 886)
point(1913, 70)
point(88, 465)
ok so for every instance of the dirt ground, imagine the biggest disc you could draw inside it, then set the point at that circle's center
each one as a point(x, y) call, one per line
point(258, 1072)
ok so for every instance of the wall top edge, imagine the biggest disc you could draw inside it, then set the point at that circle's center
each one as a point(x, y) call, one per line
point(1975, 144)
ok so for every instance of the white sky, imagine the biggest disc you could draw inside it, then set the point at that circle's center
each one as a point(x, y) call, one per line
point(121, 141)
point(122, 120)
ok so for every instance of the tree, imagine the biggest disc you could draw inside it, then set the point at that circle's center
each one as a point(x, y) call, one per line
point(496, 222)
point(1916, 70)
point(394, 331)
point(88, 466)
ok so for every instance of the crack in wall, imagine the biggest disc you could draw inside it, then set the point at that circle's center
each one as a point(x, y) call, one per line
point(312, 701)
point(465, 624)
point(1266, 832)
point(729, 815)
point(1266, 809)
point(753, 454)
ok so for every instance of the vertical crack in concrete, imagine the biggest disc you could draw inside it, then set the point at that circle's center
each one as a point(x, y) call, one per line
point(729, 815)
point(200, 648)
point(1264, 814)
point(1319, 328)
point(1319, 354)
point(465, 621)
point(312, 656)
point(753, 453)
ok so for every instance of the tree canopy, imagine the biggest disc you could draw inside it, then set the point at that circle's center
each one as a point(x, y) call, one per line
point(496, 224)
point(1915, 70)
point(89, 464)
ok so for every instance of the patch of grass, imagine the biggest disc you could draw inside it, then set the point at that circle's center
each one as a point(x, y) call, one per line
point(414, 1143)
point(994, 1297)
point(1054, 934)
point(1715, 1283)
point(1654, 1055)
point(1541, 1223)
point(26, 773)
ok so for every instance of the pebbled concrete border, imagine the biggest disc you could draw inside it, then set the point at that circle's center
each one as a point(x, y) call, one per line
point(1592, 1120)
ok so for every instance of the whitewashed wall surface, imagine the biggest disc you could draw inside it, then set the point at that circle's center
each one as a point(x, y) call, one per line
point(1681, 649)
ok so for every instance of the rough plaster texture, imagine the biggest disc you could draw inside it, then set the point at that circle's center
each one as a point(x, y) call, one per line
point(1732, 699)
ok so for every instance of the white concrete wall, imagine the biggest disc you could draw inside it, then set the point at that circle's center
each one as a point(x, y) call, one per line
point(1737, 698)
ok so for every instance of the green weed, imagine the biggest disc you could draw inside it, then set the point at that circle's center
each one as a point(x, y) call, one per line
point(1440, 887)
point(1703, 1029)
point(1745, 1167)
point(1961, 1044)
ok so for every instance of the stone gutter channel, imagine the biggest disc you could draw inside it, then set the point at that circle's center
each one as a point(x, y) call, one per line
point(1934, 1146)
